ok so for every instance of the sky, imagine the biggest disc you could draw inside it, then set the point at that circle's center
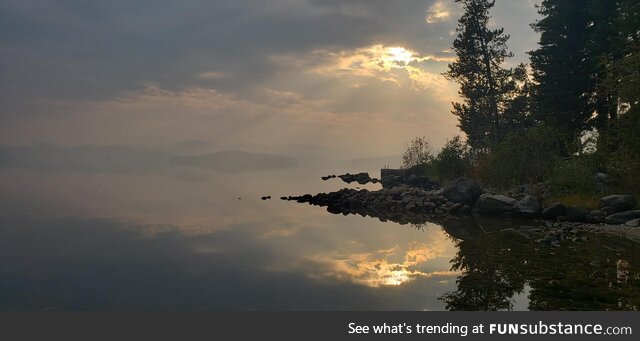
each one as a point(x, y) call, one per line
point(363, 76)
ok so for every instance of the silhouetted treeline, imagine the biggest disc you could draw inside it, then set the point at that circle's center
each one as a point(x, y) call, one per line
point(570, 113)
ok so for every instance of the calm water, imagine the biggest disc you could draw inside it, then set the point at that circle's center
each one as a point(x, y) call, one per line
point(181, 239)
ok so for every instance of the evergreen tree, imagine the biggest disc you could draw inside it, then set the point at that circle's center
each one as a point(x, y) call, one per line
point(562, 70)
point(486, 87)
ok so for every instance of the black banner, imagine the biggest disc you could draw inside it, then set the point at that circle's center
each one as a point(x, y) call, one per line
point(321, 325)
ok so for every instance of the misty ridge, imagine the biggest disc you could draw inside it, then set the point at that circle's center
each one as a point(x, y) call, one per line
point(138, 160)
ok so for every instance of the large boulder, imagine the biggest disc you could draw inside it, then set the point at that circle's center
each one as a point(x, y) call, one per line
point(633, 223)
point(528, 205)
point(554, 210)
point(577, 214)
point(595, 217)
point(495, 204)
point(618, 203)
point(622, 217)
point(463, 191)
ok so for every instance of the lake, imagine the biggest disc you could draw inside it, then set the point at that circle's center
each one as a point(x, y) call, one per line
point(196, 239)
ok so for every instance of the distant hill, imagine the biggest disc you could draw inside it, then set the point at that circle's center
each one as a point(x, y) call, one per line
point(49, 157)
point(237, 161)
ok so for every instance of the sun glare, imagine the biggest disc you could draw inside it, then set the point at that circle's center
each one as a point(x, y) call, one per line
point(400, 54)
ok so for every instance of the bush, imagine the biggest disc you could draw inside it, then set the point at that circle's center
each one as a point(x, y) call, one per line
point(417, 152)
point(521, 157)
point(624, 161)
point(452, 161)
point(575, 175)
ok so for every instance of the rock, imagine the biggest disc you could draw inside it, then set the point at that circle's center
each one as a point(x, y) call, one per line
point(618, 203)
point(465, 210)
point(528, 205)
point(454, 208)
point(577, 214)
point(463, 191)
point(554, 210)
point(361, 178)
point(608, 210)
point(546, 194)
point(495, 204)
point(633, 223)
point(520, 191)
point(595, 217)
point(622, 217)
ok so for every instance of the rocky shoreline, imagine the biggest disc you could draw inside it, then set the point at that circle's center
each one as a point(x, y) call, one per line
point(464, 198)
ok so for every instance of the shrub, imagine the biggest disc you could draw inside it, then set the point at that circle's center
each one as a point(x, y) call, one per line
point(417, 152)
point(521, 157)
point(624, 161)
point(453, 160)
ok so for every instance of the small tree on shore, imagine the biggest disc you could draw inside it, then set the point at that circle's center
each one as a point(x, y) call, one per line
point(417, 152)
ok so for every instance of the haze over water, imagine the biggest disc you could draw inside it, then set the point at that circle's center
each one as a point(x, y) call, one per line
point(186, 237)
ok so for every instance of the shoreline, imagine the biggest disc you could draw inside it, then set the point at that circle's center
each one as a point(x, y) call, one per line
point(464, 198)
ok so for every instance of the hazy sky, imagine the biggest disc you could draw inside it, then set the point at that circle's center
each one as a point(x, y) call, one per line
point(362, 75)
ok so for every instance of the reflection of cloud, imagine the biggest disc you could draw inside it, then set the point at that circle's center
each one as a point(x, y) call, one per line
point(438, 12)
point(390, 267)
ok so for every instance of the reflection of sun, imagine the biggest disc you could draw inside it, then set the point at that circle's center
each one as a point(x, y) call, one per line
point(390, 267)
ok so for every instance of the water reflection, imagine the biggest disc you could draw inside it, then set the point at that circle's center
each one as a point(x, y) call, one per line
point(498, 260)
point(601, 274)
point(392, 267)
point(94, 241)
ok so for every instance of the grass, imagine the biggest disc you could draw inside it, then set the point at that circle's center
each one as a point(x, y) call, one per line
point(589, 201)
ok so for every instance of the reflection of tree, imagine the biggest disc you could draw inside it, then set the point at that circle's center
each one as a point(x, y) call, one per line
point(601, 274)
point(497, 257)
point(485, 284)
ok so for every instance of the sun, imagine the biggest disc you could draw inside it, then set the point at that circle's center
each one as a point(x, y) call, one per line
point(400, 55)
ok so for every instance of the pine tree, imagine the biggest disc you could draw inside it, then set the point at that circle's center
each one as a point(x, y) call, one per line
point(562, 70)
point(486, 87)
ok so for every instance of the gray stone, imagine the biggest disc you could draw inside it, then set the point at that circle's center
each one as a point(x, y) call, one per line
point(528, 205)
point(595, 217)
point(577, 214)
point(466, 209)
point(495, 204)
point(454, 208)
point(622, 217)
point(554, 210)
point(619, 203)
point(633, 223)
point(463, 191)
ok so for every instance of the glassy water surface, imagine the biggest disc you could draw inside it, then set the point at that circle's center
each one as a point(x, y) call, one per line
point(189, 239)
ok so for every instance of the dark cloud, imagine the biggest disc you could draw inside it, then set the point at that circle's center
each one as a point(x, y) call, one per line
point(65, 59)
point(80, 49)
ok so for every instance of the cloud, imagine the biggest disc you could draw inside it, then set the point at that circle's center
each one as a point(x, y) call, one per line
point(440, 11)
point(364, 65)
